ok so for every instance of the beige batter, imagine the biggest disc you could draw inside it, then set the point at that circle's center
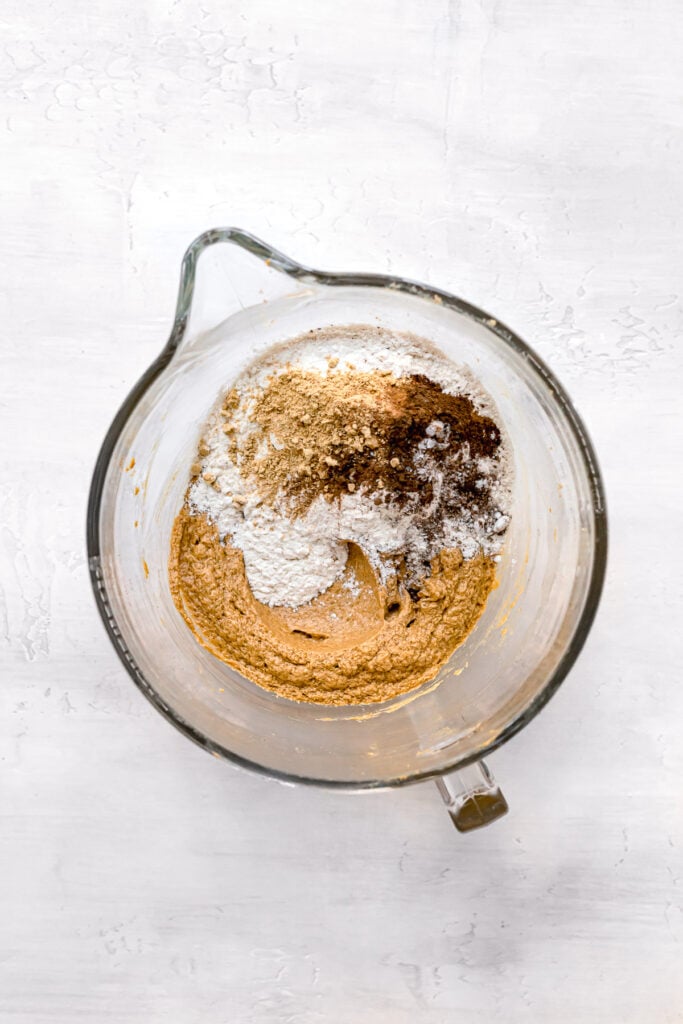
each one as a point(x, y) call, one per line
point(350, 645)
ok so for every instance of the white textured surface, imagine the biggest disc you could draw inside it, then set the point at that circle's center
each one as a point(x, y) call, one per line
point(526, 155)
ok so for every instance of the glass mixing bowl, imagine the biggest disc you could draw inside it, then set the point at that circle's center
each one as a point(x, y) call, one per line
point(236, 300)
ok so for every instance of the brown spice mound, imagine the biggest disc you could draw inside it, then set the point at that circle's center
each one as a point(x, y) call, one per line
point(358, 428)
point(352, 430)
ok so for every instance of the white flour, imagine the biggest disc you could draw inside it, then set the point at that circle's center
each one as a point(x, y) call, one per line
point(289, 561)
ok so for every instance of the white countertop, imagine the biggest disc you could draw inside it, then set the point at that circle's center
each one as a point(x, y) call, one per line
point(527, 156)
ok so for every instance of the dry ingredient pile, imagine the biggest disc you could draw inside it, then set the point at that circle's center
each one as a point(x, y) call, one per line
point(348, 503)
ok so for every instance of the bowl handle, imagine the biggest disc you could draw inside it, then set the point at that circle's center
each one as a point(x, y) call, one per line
point(472, 797)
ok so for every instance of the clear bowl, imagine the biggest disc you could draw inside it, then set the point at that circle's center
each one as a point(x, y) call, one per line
point(233, 303)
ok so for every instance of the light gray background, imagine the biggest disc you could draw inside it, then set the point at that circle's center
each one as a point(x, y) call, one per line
point(526, 155)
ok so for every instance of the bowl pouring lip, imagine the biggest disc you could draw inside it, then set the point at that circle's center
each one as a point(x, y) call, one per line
point(284, 264)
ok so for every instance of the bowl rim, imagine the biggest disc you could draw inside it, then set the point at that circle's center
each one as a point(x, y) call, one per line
point(284, 264)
